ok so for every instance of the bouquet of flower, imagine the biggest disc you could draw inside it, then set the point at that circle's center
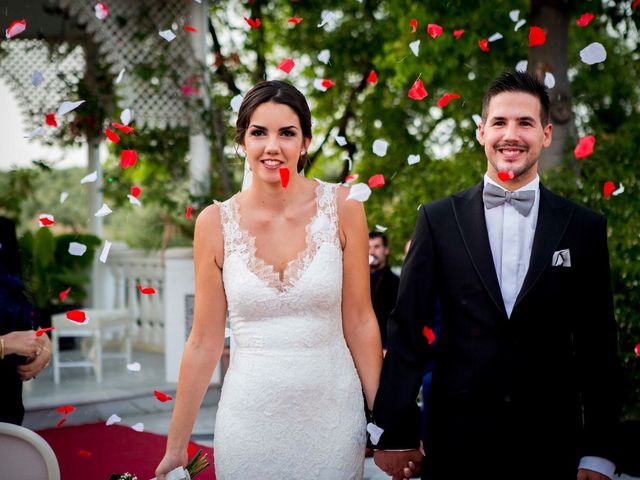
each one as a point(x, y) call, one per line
point(196, 465)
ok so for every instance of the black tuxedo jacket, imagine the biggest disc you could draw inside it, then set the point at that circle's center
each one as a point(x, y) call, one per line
point(533, 392)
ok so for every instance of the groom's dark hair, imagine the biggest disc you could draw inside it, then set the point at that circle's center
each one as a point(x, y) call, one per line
point(518, 82)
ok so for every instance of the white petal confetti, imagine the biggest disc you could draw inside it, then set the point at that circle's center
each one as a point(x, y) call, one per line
point(380, 147)
point(236, 102)
point(324, 56)
point(520, 23)
point(35, 133)
point(371, 259)
point(126, 116)
point(105, 251)
point(103, 211)
point(340, 140)
point(227, 332)
point(326, 17)
point(168, 35)
point(77, 249)
point(138, 427)
point(514, 15)
point(381, 228)
point(360, 192)
point(477, 119)
point(521, 66)
point(63, 197)
point(593, 53)
point(120, 75)
point(113, 419)
point(415, 47)
point(101, 10)
point(549, 80)
point(92, 177)
point(37, 78)
point(134, 367)
point(134, 201)
point(66, 107)
point(413, 159)
point(375, 432)
point(618, 191)
point(495, 37)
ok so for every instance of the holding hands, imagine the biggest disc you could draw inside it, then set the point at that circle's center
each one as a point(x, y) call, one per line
point(400, 465)
point(37, 350)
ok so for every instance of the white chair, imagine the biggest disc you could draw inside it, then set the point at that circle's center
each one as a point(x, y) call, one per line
point(25, 455)
point(102, 325)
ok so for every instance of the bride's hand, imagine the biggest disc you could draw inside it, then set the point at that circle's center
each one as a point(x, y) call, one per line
point(169, 462)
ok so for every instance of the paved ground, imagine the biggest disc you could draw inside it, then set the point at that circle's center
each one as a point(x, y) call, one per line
point(130, 396)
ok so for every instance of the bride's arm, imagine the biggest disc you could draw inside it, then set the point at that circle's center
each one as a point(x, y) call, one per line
point(204, 346)
point(359, 322)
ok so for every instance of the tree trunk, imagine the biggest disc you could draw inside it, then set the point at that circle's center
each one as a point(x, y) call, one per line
point(553, 16)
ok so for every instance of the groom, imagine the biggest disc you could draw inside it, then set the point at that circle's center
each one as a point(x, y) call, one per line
point(525, 376)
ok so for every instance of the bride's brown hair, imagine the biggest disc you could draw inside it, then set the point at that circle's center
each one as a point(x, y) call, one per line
point(274, 91)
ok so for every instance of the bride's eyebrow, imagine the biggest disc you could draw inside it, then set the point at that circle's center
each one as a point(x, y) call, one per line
point(260, 127)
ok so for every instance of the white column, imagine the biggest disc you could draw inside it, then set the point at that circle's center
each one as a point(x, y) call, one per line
point(199, 148)
point(179, 290)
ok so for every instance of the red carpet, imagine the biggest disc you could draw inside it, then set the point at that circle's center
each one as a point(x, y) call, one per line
point(95, 451)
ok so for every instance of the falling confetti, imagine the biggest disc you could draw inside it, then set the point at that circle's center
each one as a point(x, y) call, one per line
point(284, 176)
point(295, 20)
point(380, 147)
point(495, 37)
point(417, 91)
point(505, 176)
point(136, 191)
point(375, 432)
point(340, 140)
point(16, 28)
point(373, 77)
point(458, 33)
point(37, 78)
point(484, 45)
point(434, 30)
point(90, 178)
point(549, 80)
point(101, 10)
point(162, 397)
point(415, 47)
point(105, 251)
point(77, 316)
point(608, 188)
point(636, 350)
point(376, 181)
point(63, 294)
point(103, 211)
point(324, 56)
point(360, 192)
point(42, 331)
point(35, 133)
point(63, 197)
point(286, 66)
point(146, 290)
point(50, 119)
point(414, 25)
point(46, 220)
point(113, 419)
point(128, 158)
point(520, 23)
point(120, 76)
point(593, 53)
point(514, 15)
point(138, 427)
point(123, 128)
point(77, 249)
point(126, 116)
point(236, 102)
point(111, 135)
point(446, 98)
point(134, 367)
point(190, 29)
point(585, 19)
point(252, 23)
point(413, 159)
point(618, 191)
point(187, 215)
point(66, 107)
point(168, 35)
point(537, 36)
point(428, 334)
point(584, 147)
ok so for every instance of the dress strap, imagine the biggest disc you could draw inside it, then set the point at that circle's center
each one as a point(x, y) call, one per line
point(230, 226)
point(325, 228)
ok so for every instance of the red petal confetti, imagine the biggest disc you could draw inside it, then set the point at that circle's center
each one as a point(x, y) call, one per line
point(67, 409)
point(135, 191)
point(163, 397)
point(190, 28)
point(122, 128)
point(111, 135)
point(16, 28)
point(584, 147)
point(295, 20)
point(128, 158)
point(63, 294)
point(50, 120)
point(417, 91)
point(61, 421)
point(77, 316)
point(328, 84)
point(428, 334)
point(373, 77)
point(284, 176)
point(253, 23)
point(484, 44)
point(42, 331)
point(537, 37)
point(376, 181)
point(434, 30)
point(505, 176)
point(458, 33)
point(46, 222)
point(146, 290)
point(414, 25)
point(188, 214)
point(635, 4)
point(286, 65)
point(446, 98)
point(637, 349)
point(585, 19)
point(608, 189)
point(351, 178)
point(84, 453)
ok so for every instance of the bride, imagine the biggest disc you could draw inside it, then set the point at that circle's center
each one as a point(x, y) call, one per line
point(287, 258)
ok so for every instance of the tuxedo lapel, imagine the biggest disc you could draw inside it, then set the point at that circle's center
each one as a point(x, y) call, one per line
point(553, 219)
point(468, 210)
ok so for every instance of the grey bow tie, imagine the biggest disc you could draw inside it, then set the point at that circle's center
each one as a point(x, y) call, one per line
point(522, 201)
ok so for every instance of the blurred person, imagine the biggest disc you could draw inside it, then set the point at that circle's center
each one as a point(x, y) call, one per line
point(384, 283)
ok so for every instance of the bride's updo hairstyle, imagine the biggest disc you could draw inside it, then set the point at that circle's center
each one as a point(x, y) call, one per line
point(274, 91)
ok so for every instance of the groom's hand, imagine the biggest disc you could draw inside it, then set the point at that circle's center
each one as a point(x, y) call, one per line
point(393, 462)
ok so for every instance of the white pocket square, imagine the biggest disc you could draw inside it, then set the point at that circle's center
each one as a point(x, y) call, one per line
point(561, 258)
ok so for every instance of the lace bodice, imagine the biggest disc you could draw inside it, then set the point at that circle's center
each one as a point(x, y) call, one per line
point(291, 404)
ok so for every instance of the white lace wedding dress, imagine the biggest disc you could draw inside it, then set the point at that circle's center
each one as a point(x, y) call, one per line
point(291, 404)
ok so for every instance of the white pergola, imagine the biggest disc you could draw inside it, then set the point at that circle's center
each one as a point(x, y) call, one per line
point(63, 39)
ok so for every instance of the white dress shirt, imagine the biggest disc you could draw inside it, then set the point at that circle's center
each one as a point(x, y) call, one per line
point(511, 239)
